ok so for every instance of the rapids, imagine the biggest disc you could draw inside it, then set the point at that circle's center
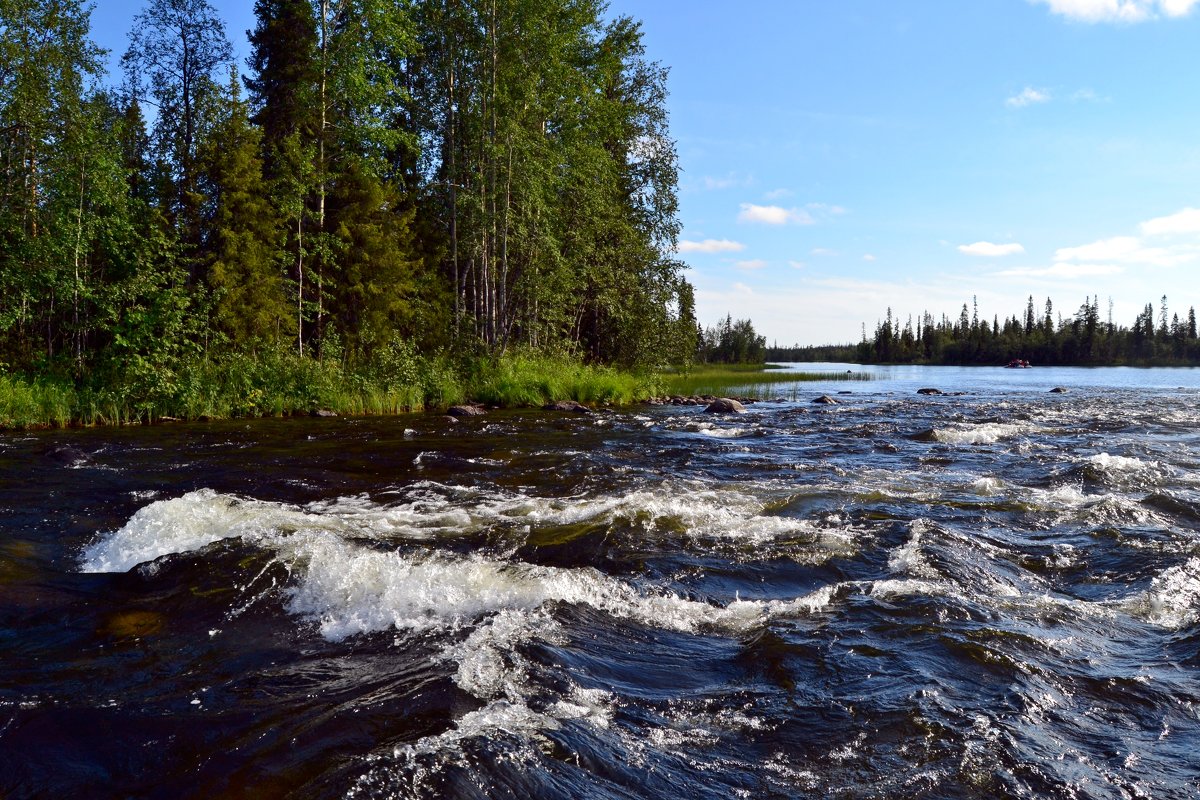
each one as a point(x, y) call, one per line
point(992, 594)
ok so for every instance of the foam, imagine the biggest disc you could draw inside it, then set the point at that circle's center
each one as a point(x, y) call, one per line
point(1173, 599)
point(986, 433)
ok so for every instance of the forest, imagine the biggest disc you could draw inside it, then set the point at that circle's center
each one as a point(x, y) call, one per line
point(386, 183)
point(1158, 337)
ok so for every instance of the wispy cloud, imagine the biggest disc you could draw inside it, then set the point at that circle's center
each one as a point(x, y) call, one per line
point(823, 251)
point(797, 264)
point(752, 264)
point(1028, 97)
point(728, 181)
point(1185, 221)
point(868, 257)
point(773, 215)
point(710, 246)
point(1119, 10)
point(990, 250)
point(778, 194)
point(1127, 250)
point(1063, 271)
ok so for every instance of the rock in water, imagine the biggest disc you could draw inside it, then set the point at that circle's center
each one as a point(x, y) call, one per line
point(1059, 390)
point(724, 405)
point(465, 411)
point(929, 391)
point(825, 400)
point(567, 405)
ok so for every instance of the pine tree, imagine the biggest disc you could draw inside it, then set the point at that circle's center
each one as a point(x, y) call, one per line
point(244, 237)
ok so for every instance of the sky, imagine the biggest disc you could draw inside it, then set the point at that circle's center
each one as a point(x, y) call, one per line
point(842, 157)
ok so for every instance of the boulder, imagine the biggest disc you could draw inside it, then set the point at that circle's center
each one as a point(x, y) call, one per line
point(825, 400)
point(724, 405)
point(466, 411)
point(569, 406)
point(324, 412)
point(1059, 390)
point(929, 391)
point(68, 455)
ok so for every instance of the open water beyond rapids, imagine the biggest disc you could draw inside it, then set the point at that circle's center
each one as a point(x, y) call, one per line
point(992, 594)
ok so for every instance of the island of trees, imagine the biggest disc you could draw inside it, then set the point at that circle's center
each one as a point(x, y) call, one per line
point(395, 189)
point(1157, 337)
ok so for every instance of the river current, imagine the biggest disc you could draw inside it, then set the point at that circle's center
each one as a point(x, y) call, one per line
point(988, 593)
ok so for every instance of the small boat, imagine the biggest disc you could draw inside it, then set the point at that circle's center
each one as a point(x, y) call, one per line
point(1018, 363)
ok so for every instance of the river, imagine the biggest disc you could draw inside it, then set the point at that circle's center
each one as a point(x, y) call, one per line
point(989, 593)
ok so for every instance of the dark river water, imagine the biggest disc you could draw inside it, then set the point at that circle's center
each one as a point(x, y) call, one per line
point(977, 595)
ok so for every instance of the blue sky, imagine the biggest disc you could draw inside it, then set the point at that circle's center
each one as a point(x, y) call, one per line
point(840, 158)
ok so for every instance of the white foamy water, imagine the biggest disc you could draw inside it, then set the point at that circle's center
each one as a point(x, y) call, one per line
point(1173, 599)
point(986, 433)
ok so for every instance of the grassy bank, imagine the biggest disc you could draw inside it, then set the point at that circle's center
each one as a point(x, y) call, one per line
point(747, 380)
point(276, 384)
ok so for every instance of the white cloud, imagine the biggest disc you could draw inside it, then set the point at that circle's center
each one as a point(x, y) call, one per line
point(710, 246)
point(754, 263)
point(1185, 221)
point(1064, 271)
point(774, 215)
point(868, 257)
point(1126, 250)
point(825, 207)
point(1118, 10)
point(1027, 97)
point(778, 194)
point(990, 250)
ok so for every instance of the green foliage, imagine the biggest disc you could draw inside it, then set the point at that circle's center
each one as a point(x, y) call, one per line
point(732, 342)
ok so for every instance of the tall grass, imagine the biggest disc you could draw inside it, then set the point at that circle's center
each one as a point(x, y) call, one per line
point(276, 384)
point(748, 380)
point(529, 379)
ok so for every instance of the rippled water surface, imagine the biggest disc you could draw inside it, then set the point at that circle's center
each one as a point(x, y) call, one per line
point(986, 594)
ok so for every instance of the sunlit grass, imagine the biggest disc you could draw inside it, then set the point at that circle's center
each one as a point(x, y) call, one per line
point(749, 381)
point(277, 384)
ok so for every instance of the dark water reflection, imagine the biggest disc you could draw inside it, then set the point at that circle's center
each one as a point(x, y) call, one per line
point(994, 594)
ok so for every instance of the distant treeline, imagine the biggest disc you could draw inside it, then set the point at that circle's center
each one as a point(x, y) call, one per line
point(1039, 335)
point(730, 342)
point(447, 174)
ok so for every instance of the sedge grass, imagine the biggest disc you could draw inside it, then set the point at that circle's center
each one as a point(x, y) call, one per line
point(748, 380)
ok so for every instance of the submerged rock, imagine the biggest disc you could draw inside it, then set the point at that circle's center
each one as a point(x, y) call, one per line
point(68, 456)
point(724, 405)
point(825, 400)
point(929, 391)
point(567, 405)
point(466, 411)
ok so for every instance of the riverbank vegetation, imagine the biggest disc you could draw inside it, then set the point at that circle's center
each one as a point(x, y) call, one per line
point(486, 190)
point(754, 381)
point(284, 383)
point(1157, 337)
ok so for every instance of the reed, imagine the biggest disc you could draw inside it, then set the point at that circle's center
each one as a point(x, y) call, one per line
point(275, 383)
point(749, 381)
